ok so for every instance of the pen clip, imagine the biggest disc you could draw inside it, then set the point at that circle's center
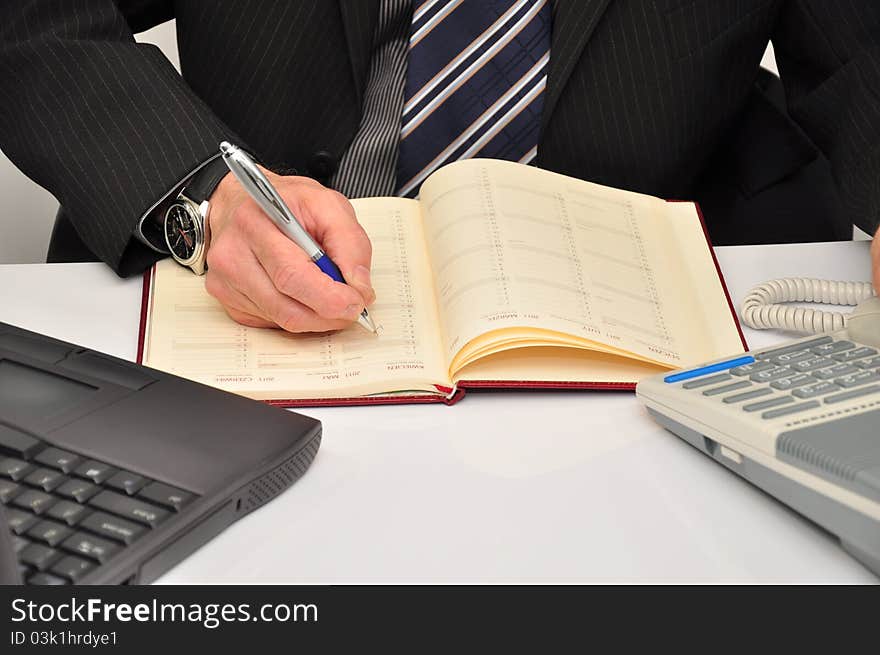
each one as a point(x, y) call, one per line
point(271, 195)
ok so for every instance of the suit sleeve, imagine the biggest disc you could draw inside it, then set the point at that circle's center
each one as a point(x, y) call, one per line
point(107, 125)
point(829, 61)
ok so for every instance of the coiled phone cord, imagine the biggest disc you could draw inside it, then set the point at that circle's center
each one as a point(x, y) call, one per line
point(760, 309)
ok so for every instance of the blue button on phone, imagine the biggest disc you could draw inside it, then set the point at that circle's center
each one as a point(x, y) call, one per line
point(711, 368)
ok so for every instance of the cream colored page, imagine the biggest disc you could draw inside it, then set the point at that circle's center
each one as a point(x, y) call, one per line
point(548, 364)
point(710, 297)
point(191, 335)
point(515, 246)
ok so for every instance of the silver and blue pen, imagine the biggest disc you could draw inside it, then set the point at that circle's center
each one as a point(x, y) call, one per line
point(261, 190)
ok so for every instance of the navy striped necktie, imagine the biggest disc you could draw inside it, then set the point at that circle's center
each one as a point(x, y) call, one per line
point(474, 84)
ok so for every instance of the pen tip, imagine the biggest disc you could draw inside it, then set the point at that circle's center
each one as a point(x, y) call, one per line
point(367, 322)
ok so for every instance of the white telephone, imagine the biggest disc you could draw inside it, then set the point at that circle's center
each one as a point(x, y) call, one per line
point(800, 420)
point(761, 309)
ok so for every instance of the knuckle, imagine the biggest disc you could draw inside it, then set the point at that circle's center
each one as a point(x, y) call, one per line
point(334, 303)
point(220, 259)
point(326, 197)
point(341, 199)
point(289, 318)
point(331, 306)
point(248, 222)
point(365, 242)
point(303, 181)
point(214, 286)
point(287, 278)
point(246, 319)
point(237, 316)
point(241, 215)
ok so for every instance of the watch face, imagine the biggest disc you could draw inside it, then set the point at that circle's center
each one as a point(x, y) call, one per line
point(181, 232)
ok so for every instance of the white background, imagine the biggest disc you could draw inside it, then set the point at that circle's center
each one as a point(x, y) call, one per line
point(27, 211)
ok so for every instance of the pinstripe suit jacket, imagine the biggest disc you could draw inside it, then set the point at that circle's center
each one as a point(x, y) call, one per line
point(657, 96)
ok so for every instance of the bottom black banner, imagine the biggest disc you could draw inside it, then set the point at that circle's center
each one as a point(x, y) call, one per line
point(235, 619)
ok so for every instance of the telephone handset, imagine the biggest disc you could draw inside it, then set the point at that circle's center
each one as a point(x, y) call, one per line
point(761, 309)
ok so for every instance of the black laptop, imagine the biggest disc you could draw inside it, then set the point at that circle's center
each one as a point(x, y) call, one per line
point(111, 472)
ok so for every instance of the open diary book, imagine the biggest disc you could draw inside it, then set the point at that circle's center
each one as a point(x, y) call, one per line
point(500, 275)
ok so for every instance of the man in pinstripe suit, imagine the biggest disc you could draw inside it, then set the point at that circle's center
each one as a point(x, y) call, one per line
point(365, 97)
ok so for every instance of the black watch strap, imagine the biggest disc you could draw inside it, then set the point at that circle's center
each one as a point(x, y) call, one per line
point(205, 180)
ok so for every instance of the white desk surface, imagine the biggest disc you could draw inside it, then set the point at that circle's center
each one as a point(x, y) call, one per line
point(507, 487)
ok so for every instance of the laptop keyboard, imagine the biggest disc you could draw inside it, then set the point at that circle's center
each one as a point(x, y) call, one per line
point(69, 514)
point(793, 379)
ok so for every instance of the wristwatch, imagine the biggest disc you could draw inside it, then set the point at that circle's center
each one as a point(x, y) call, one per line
point(185, 228)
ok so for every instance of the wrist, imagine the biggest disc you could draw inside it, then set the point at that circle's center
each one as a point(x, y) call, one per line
point(224, 190)
point(228, 190)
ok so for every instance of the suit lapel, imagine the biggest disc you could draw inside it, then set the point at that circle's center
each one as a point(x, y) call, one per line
point(573, 24)
point(359, 18)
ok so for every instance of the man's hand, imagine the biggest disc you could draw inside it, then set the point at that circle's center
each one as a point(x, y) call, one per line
point(875, 260)
point(263, 279)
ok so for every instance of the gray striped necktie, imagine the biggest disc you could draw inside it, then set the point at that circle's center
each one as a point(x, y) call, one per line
point(474, 85)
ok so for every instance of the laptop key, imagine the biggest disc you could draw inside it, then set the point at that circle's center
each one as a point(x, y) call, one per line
point(72, 568)
point(97, 472)
point(874, 362)
point(38, 556)
point(46, 579)
point(33, 500)
point(19, 522)
point(19, 544)
point(8, 490)
point(18, 443)
point(113, 527)
point(166, 495)
point(127, 482)
point(58, 459)
point(14, 469)
point(78, 490)
point(49, 532)
point(46, 479)
point(94, 548)
point(129, 508)
point(67, 512)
